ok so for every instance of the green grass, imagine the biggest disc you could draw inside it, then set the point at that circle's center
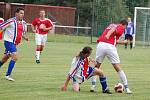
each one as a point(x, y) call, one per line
point(67, 38)
point(43, 81)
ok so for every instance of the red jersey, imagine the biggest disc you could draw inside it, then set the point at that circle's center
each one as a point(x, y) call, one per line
point(39, 24)
point(85, 67)
point(19, 32)
point(15, 31)
point(119, 30)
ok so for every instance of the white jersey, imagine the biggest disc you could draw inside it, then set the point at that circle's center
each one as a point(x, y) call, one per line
point(11, 27)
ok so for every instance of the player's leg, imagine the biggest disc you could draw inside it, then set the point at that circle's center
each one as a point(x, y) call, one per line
point(100, 55)
point(122, 76)
point(38, 40)
point(4, 59)
point(94, 78)
point(75, 84)
point(37, 55)
point(115, 61)
point(102, 79)
point(76, 87)
point(131, 42)
point(43, 42)
point(126, 38)
point(11, 48)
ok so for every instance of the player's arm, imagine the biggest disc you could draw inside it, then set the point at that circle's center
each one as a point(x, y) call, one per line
point(24, 36)
point(92, 62)
point(49, 26)
point(5, 24)
point(47, 29)
point(112, 30)
point(71, 74)
point(33, 26)
point(122, 42)
point(64, 87)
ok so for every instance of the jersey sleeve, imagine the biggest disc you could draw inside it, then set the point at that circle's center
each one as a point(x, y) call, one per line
point(34, 22)
point(6, 23)
point(119, 30)
point(73, 68)
point(50, 23)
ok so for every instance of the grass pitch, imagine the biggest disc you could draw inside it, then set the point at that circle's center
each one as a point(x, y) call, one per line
point(43, 81)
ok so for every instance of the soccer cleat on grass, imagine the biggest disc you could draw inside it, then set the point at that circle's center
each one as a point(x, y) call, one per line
point(93, 88)
point(128, 91)
point(107, 91)
point(9, 78)
point(37, 61)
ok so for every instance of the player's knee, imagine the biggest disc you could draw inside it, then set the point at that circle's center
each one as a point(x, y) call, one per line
point(99, 72)
point(14, 58)
point(75, 87)
point(98, 65)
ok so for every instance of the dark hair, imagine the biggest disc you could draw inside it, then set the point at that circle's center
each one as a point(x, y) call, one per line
point(124, 22)
point(85, 50)
point(18, 9)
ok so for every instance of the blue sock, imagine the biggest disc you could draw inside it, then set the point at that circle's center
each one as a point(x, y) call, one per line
point(103, 83)
point(10, 67)
point(1, 63)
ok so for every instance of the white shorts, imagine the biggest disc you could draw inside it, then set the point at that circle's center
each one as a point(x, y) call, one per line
point(105, 49)
point(40, 39)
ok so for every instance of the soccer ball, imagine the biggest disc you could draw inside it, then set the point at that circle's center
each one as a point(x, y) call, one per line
point(119, 88)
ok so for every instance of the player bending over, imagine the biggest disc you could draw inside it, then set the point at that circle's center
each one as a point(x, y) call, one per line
point(80, 70)
point(106, 47)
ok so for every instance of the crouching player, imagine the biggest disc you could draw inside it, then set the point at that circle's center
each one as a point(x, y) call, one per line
point(80, 70)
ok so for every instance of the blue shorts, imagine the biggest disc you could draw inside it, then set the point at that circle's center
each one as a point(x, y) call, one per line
point(80, 79)
point(9, 47)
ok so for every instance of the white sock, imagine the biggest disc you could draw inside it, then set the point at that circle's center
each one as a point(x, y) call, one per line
point(94, 80)
point(37, 55)
point(123, 78)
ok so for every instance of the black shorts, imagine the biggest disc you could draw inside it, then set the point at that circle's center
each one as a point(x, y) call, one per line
point(128, 37)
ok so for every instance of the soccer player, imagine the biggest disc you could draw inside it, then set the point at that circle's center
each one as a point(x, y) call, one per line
point(129, 31)
point(81, 70)
point(41, 27)
point(107, 47)
point(14, 29)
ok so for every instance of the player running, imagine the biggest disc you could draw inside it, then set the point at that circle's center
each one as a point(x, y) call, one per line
point(41, 27)
point(107, 47)
point(14, 29)
point(81, 70)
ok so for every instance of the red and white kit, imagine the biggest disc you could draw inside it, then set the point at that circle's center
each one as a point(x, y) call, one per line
point(107, 47)
point(41, 35)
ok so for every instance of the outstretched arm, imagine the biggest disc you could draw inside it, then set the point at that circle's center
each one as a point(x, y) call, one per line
point(122, 42)
point(64, 87)
point(25, 33)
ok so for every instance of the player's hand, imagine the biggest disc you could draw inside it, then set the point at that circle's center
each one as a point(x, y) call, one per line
point(27, 39)
point(125, 41)
point(34, 31)
point(63, 88)
point(44, 29)
point(107, 36)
